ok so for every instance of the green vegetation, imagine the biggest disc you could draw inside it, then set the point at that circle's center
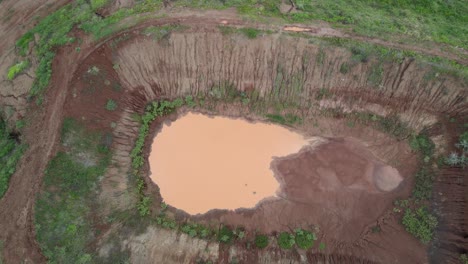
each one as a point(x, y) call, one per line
point(376, 75)
point(304, 239)
point(286, 240)
point(423, 144)
point(63, 210)
point(344, 68)
point(80, 13)
point(250, 33)
point(225, 235)
point(417, 220)
point(425, 20)
point(111, 105)
point(362, 52)
point(323, 94)
point(261, 241)
point(153, 110)
point(464, 259)
point(96, 4)
point(322, 246)
point(18, 68)
point(10, 153)
point(460, 158)
point(194, 230)
point(288, 119)
point(162, 32)
point(420, 223)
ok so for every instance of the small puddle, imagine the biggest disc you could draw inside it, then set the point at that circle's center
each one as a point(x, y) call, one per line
point(202, 163)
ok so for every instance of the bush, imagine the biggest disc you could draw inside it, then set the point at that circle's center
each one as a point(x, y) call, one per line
point(305, 239)
point(143, 206)
point(261, 241)
point(423, 185)
point(459, 159)
point(464, 259)
point(286, 240)
point(423, 144)
point(111, 105)
point(225, 235)
point(420, 223)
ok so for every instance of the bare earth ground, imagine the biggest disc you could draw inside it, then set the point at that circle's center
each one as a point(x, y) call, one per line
point(348, 231)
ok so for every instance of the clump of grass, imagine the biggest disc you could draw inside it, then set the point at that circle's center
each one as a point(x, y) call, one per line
point(17, 69)
point(250, 33)
point(111, 105)
point(344, 68)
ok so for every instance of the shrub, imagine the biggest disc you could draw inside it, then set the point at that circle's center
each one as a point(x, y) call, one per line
point(143, 206)
point(305, 239)
point(261, 241)
point(423, 144)
point(464, 259)
point(459, 159)
point(420, 223)
point(286, 240)
point(423, 185)
point(111, 105)
point(225, 235)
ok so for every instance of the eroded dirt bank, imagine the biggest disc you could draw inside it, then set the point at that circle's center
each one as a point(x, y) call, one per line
point(273, 67)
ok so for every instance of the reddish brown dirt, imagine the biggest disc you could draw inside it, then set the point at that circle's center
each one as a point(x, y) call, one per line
point(16, 207)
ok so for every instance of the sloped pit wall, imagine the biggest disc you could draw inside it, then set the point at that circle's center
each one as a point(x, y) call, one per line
point(288, 69)
point(278, 68)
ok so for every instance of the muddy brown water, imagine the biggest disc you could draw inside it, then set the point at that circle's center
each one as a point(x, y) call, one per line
point(202, 163)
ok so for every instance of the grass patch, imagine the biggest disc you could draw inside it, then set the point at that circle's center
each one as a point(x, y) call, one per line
point(63, 209)
point(10, 153)
point(111, 105)
point(17, 69)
